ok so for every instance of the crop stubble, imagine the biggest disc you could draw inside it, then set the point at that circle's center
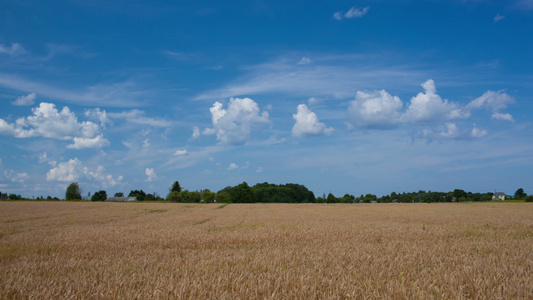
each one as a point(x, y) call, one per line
point(295, 251)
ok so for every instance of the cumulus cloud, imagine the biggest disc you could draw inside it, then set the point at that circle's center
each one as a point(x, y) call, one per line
point(494, 101)
point(353, 12)
point(180, 152)
point(234, 124)
point(233, 166)
point(74, 169)
point(195, 132)
point(106, 180)
point(429, 106)
point(376, 109)
point(81, 142)
point(450, 130)
point(307, 123)
point(477, 133)
point(502, 117)
point(98, 115)
point(47, 121)
point(65, 171)
point(25, 100)
point(151, 175)
point(13, 176)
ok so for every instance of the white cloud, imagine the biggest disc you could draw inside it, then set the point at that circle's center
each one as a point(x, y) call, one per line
point(15, 49)
point(195, 132)
point(502, 117)
point(106, 180)
point(25, 100)
point(74, 170)
point(429, 106)
point(146, 143)
point(81, 143)
point(491, 100)
point(150, 173)
point(16, 177)
point(120, 94)
point(65, 171)
point(43, 158)
point(99, 115)
point(498, 17)
point(356, 12)
point(330, 77)
point(14, 130)
point(477, 133)
point(452, 131)
point(48, 122)
point(233, 166)
point(305, 61)
point(307, 123)
point(353, 12)
point(137, 117)
point(180, 152)
point(314, 100)
point(234, 124)
point(377, 109)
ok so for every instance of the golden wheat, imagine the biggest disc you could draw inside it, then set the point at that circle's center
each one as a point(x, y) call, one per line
point(275, 251)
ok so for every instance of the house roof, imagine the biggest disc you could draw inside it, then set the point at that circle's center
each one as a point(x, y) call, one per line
point(121, 199)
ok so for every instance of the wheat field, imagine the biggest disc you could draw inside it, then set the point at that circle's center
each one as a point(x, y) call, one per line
point(58, 250)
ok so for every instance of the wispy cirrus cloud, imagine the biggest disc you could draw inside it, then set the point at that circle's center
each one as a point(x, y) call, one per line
point(137, 116)
point(326, 77)
point(353, 12)
point(13, 50)
point(121, 94)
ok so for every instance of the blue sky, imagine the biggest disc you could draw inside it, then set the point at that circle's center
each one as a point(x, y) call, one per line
point(342, 96)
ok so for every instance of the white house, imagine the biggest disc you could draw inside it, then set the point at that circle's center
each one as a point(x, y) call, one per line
point(499, 196)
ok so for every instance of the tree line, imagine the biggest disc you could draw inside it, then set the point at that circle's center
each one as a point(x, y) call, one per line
point(277, 193)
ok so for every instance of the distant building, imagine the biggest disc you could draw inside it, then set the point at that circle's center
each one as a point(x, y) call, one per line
point(499, 196)
point(121, 199)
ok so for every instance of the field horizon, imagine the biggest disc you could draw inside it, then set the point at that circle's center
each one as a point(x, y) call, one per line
point(275, 251)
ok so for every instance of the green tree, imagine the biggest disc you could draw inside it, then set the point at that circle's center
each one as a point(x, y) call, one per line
point(176, 187)
point(457, 193)
point(174, 197)
point(73, 192)
point(119, 194)
point(331, 198)
point(223, 197)
point(138, 194)
point(242, 193)
point(347, 198)
point(208, 196)
point(519, 194)
point(369, 197)
point(99, 196)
